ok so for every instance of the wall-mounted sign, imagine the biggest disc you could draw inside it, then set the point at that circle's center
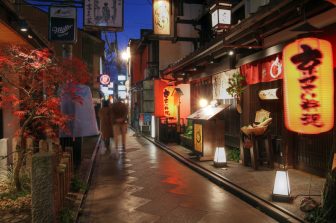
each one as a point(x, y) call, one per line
point(276, 68)
point(104, 15)
point(198, 138)
point(269, 94)
point(122, 94)
point(121, 77)
point(308, 86)
point(104, 79)
point(62, 24)
point(121, 88)
point(161, 17)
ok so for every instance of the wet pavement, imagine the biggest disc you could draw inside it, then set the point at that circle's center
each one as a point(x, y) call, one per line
point(145, 184)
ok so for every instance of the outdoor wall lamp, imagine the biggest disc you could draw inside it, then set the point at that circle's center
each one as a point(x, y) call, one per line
point(281, 189)
point(23, 25)
point(220, 157)
point(203, 102)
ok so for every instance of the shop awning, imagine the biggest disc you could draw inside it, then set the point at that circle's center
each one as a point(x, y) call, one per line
point(209, 112)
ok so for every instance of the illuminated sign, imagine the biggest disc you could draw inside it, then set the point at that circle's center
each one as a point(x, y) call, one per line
point(161, 17)
point(169, 108)
point(122, 94)
point(198, 138)
point(121, 77)
point(308, 86)
point(104, 79)
point(121, 87)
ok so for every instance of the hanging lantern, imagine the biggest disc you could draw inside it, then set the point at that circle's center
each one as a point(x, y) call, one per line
point(220, 15)
point(220, 157)
point(281, 189)
point(308, 86)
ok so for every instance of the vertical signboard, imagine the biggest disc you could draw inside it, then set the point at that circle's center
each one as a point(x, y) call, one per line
point(169, 105)
point(308, 86)
point(198, 138)
point(162, 17)
point(104, 15)
point(62, 24)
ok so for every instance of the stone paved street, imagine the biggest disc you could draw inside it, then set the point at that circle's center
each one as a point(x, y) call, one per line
point(145, 184)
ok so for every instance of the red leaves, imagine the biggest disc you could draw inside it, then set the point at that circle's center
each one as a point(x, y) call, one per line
point(27, 75)
point(20, 114)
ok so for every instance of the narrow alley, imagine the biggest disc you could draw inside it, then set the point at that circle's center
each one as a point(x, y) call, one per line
point(145, 184)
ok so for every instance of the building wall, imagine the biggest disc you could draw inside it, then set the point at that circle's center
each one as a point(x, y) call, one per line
point(171, 52)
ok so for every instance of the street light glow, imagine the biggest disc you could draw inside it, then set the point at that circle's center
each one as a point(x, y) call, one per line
point(125, 55)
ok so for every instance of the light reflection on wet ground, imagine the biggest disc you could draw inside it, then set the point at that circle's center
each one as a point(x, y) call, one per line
point(145, 184)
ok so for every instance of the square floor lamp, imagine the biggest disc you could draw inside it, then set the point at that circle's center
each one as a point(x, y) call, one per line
point(220, 157)
point(281, 190)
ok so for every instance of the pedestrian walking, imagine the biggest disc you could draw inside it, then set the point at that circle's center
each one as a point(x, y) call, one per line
point(119, 114)
point(106, 123)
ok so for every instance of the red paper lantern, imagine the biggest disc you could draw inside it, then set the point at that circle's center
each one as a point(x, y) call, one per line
point(308, 86)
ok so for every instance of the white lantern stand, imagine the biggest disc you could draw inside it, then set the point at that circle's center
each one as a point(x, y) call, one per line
point(220, 157)
point(281, 190)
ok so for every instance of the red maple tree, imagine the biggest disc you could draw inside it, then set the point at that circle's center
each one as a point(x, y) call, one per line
point(33, 82)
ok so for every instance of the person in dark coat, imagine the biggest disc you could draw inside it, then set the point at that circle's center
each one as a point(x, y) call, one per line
point(106, 123)
point(119, 112)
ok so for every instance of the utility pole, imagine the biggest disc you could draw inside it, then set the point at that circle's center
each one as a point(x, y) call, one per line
point(75, 142)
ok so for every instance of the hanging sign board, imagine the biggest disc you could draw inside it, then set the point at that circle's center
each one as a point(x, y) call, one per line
point(104, 15)
point(169, 106)
point(308, 86)
point(161, 17)
point(62, 24)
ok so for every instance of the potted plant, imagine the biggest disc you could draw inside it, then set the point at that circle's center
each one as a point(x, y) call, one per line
point(31, 90)
point(186, 137)
point(237, 84)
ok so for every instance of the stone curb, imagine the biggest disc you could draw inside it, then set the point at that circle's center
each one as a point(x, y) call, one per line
point(87, 179)
point(278, 213)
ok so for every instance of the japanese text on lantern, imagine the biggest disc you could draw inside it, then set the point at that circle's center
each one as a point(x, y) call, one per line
point(308, 86)
point(166, 94)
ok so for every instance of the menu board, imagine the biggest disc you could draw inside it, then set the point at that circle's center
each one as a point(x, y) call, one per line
point(208, 112)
